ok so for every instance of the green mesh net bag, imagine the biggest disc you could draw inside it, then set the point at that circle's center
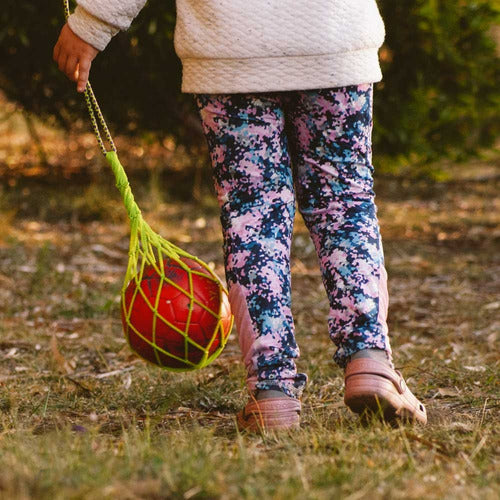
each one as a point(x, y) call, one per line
point(175, 310)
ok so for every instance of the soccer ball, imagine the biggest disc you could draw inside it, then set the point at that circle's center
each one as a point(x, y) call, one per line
point(174, 325)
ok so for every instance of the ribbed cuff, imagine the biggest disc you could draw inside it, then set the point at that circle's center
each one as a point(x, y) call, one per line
point(91, 29)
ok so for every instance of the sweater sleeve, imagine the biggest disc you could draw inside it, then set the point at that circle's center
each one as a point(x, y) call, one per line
point(97, 21)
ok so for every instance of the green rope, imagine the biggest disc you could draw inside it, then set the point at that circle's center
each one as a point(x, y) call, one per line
point(122, 183)
point(148, 250)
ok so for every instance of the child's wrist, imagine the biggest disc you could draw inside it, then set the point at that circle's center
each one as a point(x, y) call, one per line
point(91, 29)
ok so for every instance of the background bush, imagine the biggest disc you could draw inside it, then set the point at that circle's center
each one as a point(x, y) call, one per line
point(439, 96)
point(441, 76)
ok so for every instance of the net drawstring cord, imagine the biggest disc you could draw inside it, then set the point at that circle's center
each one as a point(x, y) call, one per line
point(94, 109)
point(99, 123)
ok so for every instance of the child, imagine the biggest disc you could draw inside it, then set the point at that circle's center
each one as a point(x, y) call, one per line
point(282, 86)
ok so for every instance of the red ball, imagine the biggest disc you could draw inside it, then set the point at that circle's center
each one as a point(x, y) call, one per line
point(172, 310)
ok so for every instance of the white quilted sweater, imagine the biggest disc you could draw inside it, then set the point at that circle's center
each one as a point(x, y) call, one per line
point(230, 46)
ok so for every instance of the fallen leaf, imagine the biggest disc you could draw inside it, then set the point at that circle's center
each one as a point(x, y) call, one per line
point(444, 392)
point(127, 381)
point(101, 249)
point(492, 306)
point(191, 492)
point(475, 368)
point(60, 361)
point(12, 353)
point(463, 427)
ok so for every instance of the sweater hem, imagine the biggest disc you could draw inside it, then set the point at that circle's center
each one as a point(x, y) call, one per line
point(274, 74)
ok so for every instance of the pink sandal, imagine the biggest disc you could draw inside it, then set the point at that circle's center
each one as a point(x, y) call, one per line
point(375, 387)
point(270, 414)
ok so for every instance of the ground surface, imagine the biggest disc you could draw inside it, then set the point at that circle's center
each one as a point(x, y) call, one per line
point(81, 417)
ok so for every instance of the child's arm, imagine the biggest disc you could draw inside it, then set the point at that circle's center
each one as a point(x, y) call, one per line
point(88, 30)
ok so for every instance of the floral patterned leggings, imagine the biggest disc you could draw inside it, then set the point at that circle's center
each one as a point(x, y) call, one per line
point(265, 149)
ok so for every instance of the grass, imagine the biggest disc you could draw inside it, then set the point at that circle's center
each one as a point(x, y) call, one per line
point(82, 418)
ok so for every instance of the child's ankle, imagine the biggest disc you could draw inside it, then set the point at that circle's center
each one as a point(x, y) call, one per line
point(269, 393)
point(375, 354)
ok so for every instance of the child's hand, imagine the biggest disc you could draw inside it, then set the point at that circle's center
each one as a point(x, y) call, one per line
point(74, 57)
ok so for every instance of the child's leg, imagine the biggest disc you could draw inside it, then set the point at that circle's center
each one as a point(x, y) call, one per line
point(253, 179)
point(332, 145)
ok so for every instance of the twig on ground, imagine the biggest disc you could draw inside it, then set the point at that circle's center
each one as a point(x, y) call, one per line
point(114, 372)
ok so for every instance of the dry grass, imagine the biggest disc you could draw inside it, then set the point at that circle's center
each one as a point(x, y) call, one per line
point(81, 417)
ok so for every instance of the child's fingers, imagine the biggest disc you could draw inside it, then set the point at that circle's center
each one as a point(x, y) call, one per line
point(62, 59)
point(70, 68)
point(83, 74)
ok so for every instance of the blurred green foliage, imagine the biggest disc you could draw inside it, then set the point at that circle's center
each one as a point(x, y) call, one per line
point(441, 77)
point(439, 96)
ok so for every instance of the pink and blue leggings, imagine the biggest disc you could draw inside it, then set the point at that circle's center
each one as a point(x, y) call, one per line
point(268, 151)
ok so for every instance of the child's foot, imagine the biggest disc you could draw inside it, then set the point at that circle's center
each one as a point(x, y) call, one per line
point(270, 410)
point(373, 386)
